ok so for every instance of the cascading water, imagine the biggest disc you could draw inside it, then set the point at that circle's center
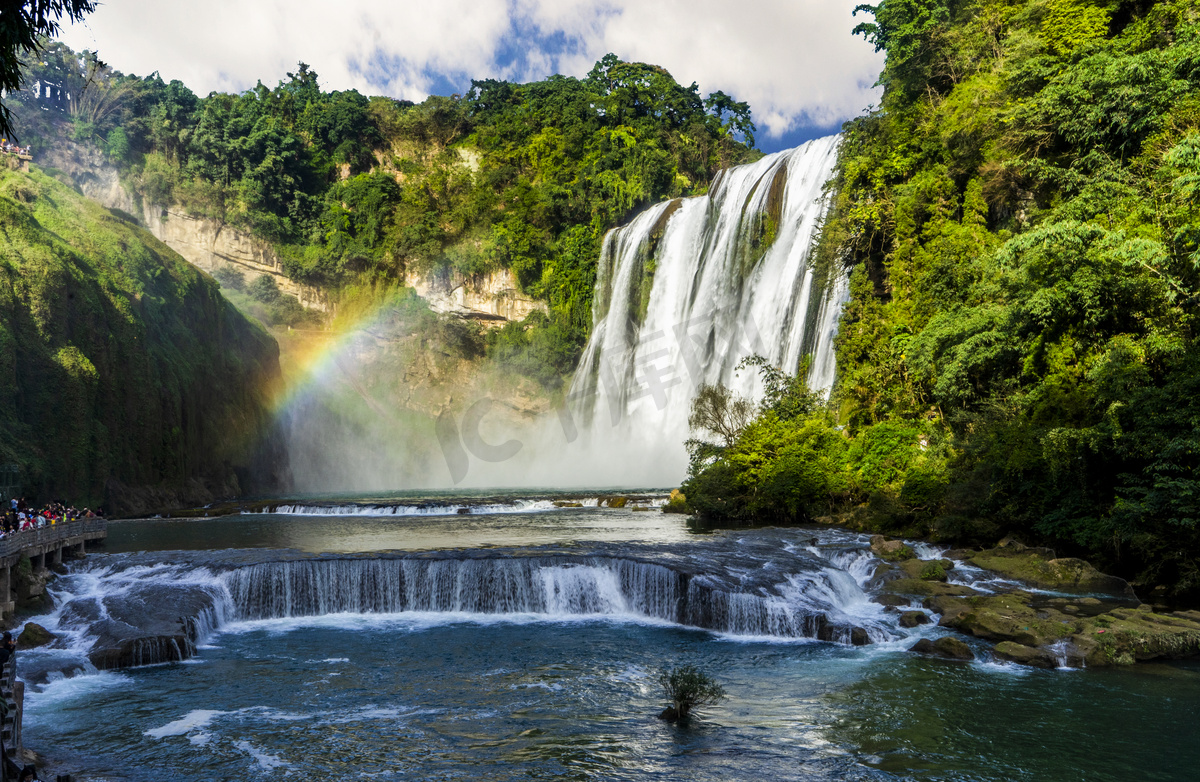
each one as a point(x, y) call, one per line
point(763, 587)
point(690, 288)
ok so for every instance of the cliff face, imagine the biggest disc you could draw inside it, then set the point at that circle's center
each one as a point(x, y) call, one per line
point(491, 298)
point(210, 245)
point(125, 377)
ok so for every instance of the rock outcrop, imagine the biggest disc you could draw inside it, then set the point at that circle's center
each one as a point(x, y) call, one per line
point(492, 298)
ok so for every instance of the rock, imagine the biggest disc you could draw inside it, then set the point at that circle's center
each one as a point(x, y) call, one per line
point(567, 504)
point(614, 502)
point(34, 635)
point(1124, 636)
point(883, 574)
point(890, 600)
point(150, 623)
point(913, 618)
point(933, 571)
point(947, 647)
point(1039, 567)
point(1025, 655)
point(669, 714)
point(1008, 618)
point(677, 503)
point(960, 553)
point(859, 637)
point(891, 550)
point(915, 586)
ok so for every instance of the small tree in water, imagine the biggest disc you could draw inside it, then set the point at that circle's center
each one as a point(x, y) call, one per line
point(688, 688)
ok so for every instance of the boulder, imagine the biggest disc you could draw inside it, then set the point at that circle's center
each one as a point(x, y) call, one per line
point(891, 550)
point(915, 586)
point(948, 647)
point(891, 600)
point(567, 504)
point(614, 502)
point(34, 635)
point(1039, 566)
point(913, 619)
point(1008, 618)
point(1124, 636)
point(1025, 655)
point(859, 637)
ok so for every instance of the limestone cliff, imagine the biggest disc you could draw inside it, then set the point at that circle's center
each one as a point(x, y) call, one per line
point(492, 298)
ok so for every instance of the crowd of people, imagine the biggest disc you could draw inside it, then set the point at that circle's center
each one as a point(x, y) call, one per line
point(12, 149)
point(19, 516)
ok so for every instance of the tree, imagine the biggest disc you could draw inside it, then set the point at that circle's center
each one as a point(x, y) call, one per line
point(25, 26)
point(688, 688)
point(719, 411)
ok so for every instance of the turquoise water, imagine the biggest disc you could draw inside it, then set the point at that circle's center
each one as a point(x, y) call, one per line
point(503, 697)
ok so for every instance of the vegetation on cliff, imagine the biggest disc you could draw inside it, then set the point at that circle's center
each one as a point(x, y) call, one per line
point(1020, 350)
point(121, 366)
point(356, 191)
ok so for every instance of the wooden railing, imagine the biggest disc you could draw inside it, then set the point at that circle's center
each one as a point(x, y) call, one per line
point(10, 727)
point(18, 541)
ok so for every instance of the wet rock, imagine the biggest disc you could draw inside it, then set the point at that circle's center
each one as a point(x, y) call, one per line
point(614, 502)
point(882, 575)
point(891, 550)
point(948, 647)
point(915, 586)
point(926, 569)
point(669, 714)
point(1007, 618)
point(1025, 655)
point(859, 637)
point(890, 600)
point(151, 623)
point(913, 619)
point(1124, 636)
point(960, 553)
point(34, 635)
point(1039, 566)
point(567, 504)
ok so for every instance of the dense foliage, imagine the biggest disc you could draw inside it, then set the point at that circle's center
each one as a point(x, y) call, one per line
point(1022, 216)
point(120, 364)
point(24, 25)
point(355, 190)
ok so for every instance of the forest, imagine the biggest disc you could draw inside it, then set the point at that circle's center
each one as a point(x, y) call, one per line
point(1021, 221)
point(354, 192)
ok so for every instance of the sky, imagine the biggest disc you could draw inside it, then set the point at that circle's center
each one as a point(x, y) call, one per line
point(794, 61)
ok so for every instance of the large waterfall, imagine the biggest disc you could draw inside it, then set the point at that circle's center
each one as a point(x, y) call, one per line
point(690, 288)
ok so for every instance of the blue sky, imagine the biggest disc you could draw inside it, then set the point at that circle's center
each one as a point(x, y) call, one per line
point(794, 61)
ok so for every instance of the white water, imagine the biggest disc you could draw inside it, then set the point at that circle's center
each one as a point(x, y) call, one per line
point(690, 288)
point(353, 509)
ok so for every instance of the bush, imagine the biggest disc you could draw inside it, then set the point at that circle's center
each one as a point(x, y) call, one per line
point(228, 277)
point(688, 688)
point(264, 289)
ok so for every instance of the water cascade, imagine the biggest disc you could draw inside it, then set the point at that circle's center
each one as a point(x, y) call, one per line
point(134, 615)
point(691, 287)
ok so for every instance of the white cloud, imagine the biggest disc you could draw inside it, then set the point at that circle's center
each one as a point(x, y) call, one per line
point(794, 61)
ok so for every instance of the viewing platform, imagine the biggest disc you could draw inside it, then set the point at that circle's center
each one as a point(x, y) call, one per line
point(44, 547)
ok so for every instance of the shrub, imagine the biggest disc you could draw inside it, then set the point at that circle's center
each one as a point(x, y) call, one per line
point(688, 688)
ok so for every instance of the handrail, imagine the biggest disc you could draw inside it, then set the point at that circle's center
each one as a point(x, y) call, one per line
point(18, 541)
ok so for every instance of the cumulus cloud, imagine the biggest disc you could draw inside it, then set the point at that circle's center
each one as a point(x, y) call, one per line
point(794, 61)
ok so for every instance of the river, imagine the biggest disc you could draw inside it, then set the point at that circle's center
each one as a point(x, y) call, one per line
point(557, 680)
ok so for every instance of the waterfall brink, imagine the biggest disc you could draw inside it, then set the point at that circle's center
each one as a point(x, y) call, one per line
point(693, 286)
point(806, 606)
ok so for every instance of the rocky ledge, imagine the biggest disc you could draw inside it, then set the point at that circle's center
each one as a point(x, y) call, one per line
point(1082, 618)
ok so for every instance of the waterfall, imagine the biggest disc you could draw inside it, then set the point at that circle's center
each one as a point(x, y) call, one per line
point(122, 617)
point(691, 287)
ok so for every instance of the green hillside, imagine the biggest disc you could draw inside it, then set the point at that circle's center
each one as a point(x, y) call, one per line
point(1022, 217)
point(125, 377)
point(356, 191)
